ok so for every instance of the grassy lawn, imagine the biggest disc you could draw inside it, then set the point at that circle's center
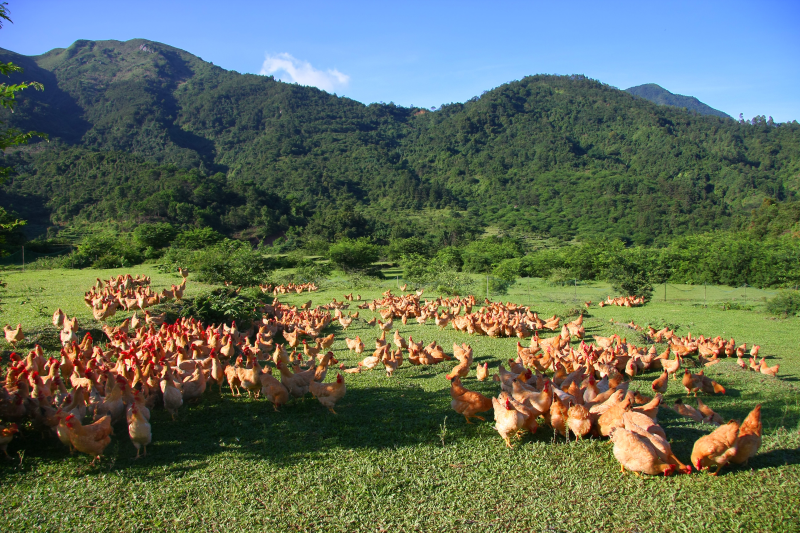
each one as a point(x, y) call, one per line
point(396, 457)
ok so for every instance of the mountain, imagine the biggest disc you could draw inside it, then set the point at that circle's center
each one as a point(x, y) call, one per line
point(144, 131)
point(661, 96)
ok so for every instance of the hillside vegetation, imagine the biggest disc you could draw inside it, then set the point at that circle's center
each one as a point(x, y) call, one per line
point(144, 131)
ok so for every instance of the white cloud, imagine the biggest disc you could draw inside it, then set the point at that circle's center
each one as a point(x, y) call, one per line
point(288, 68)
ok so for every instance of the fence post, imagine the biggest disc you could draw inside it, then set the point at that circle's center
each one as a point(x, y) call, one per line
point(576, 290)
point(487, 287)
point(665, 291)
point(23, 258)
point(705, 294)
point(745, 293)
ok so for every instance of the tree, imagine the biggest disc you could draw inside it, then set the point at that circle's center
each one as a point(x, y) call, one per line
point(353, 254)
point(8, 94)
point(11, 136)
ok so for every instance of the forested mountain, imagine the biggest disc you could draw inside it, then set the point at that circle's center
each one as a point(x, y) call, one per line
point(661, 96)
point(144, 131)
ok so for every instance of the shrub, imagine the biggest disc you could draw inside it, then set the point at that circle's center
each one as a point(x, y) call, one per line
point(353, 254)
point(485, 254)
point(308, 270)
point(156, 236)
point(197, 239)
point(785, 303)
point(232, 261)
point(224, 305)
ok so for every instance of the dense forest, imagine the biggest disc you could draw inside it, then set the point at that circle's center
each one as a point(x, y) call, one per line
point(144, 132)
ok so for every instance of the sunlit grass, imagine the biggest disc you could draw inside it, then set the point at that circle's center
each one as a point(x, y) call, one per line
point(397, 457)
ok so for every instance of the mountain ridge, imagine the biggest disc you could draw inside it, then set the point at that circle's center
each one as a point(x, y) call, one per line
point(565, 156)
point(661, 96)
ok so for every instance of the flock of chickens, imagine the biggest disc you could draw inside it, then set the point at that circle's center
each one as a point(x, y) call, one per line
point(581, 392)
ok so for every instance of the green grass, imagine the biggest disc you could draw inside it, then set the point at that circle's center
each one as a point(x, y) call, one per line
point(397, 458)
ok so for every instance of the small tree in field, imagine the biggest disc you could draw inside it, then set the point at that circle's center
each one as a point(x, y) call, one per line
point(353, 254)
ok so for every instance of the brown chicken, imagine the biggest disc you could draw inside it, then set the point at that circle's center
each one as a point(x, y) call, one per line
point(716, 448)
point(92, 439)
point(467, 402)
point(6, 436)
point(579, 420)
point(657, 440)
point(482, 372)
point(708, 414)
point(274, 390)
point(693, 383)
point(661, 383)
point(194, 386)
point(749, 437)
point(508, 421)
point(612, 418)
point(687, 410)
point(328, 393)
point(768, 370)
point(13, 336)
point(637, 454)
point(139, 431)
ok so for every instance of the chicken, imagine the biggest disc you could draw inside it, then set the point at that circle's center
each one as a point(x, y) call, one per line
point(540, 401)
point(92, 439)
point(644, 422)
point(194, 386)
point(328, 393)
point(709, 386)
point(661, 383)
point(139, 430)
point(58, 318)
point(579, 420)
point(297, 383)
point(709, 414)
point(651, 408)
point(717, 448)
point(612, 418)
point(467, 402)
point(693, 383)
point(250, 378)
point(558, 415)
point(372, 361)
point(637, 454)
point(461, 369)
point(749, 437)
point(656, 439)
point(274, 390)
point(688, 411)
point(355, 345)
point(508, 421)
point(13, 336)
point(399, 341)
point(763, 368)
point(6, 436)
point(482, 372)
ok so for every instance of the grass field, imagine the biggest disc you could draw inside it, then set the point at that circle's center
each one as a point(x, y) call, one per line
point(396, 457)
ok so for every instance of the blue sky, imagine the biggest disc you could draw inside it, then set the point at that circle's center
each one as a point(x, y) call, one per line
point(739, 57)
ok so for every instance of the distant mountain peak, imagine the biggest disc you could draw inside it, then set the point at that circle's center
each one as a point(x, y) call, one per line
point(661, 96)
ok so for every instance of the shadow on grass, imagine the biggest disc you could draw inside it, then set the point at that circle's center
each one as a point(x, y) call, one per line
point(377, 418)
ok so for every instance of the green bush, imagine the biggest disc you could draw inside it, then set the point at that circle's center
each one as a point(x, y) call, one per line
point(308, 271)
point(232, 261)
point(785, 303)
point(353, 254)
point(485, 254)
point(225, 305)
point(197, 239)
point(158, 235)
point(104, 250)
